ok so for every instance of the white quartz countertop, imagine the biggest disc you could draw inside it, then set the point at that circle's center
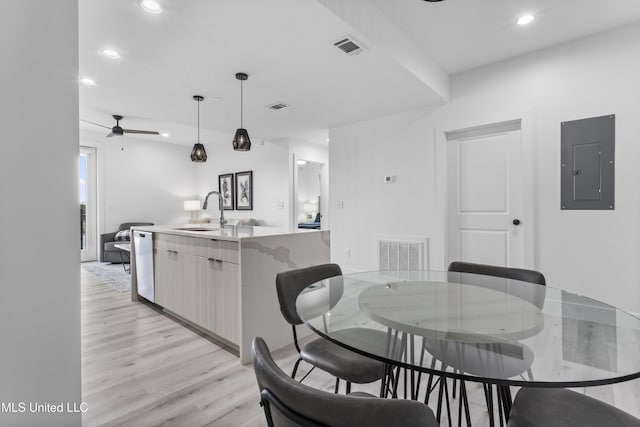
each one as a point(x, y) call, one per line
point(212, 231)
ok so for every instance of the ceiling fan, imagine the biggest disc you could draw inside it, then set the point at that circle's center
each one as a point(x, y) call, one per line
point(118, 130)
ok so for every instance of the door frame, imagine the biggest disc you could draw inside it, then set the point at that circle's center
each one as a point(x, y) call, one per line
point(92, 204)
point(324, 190)
point(526, 118)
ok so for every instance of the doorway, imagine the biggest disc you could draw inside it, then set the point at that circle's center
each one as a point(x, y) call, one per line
point(87, 180)
point(309, 201)
point(487, 221)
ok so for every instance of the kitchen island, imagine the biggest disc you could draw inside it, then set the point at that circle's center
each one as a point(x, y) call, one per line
point(222, 281)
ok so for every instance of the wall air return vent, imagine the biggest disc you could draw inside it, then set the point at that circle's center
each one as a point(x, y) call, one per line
point(277, 106)
point(401, 253)
point(349, 45)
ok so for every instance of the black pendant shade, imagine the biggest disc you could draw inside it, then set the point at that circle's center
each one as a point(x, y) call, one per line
point(241, 141)
point(198, 154)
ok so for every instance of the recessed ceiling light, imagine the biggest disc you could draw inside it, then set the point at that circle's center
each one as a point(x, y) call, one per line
point(87, 81)
point(151, 6)
point(526, 19)
point(109, 53)
point(166, 135)
point(302, 162)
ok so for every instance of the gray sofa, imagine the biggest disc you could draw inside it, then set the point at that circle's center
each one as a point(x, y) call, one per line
point(108, 253)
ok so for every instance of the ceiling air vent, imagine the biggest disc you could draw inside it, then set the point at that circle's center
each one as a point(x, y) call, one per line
point(277, 106)
point(349, 45)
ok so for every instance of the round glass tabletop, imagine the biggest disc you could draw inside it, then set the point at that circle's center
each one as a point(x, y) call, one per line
point(477, 327)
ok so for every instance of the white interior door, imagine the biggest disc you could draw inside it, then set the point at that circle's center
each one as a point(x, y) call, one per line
point(485, 176)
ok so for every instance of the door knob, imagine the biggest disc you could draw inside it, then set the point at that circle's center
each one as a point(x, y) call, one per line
point(516, 221)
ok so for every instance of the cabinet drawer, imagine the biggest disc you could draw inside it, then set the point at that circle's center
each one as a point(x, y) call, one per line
point(172, 242)
point(222, 250)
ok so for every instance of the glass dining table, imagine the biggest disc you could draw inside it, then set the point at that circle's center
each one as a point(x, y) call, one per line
point(478, 328)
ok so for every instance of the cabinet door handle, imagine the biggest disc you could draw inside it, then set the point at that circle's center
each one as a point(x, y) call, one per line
point(214, 260)
point(171, 251)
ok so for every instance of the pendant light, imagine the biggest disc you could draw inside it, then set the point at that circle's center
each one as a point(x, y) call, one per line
point(241, 141)
point(198, 154)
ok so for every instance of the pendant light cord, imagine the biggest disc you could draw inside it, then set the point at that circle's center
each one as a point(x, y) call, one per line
point(241, 105)
point(198, 121)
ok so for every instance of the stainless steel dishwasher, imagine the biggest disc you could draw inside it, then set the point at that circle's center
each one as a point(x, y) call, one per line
point(143, 242)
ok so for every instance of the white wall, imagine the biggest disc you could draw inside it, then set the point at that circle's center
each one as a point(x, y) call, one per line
point(592, 252)
point(270, 168)
point(311, 152)
point(361, 155)
point(147, 181)
point(39, 275)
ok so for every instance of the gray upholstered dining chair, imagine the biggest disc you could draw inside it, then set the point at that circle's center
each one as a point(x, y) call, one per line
point(521, 274)
point(322, 353)
point(534, 296)
point(289, 403)
point(511, 366)
point(539, 407)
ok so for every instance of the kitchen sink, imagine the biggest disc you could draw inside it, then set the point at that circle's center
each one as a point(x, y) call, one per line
point(195, 229)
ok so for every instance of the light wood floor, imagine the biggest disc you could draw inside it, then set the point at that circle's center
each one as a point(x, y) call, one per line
point(141, 368)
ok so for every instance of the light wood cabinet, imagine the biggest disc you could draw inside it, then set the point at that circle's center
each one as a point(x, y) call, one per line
point(199, 280)
point(219, 291)
point(163, 270)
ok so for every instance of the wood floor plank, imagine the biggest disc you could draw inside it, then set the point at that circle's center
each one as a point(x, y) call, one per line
point(141, 368)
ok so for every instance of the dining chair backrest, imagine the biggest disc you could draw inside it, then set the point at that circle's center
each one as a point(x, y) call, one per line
point(290, 283)
point(535, 295)
point(521, 274)
point(287, 402)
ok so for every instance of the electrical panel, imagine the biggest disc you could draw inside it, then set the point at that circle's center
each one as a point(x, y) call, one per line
point(587, 176)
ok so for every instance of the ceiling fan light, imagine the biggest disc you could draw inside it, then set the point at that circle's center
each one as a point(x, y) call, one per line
point(198, 154)
point(241, 141)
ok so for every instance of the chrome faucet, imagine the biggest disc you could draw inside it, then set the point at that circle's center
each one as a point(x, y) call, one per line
point(220, 205)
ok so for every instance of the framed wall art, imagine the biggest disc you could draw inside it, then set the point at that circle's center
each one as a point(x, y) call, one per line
point(226, 189)
point(244, 191)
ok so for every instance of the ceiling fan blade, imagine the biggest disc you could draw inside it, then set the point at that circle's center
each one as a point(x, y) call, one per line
point(110, 134)
point(94, 123)
point(144, 132)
